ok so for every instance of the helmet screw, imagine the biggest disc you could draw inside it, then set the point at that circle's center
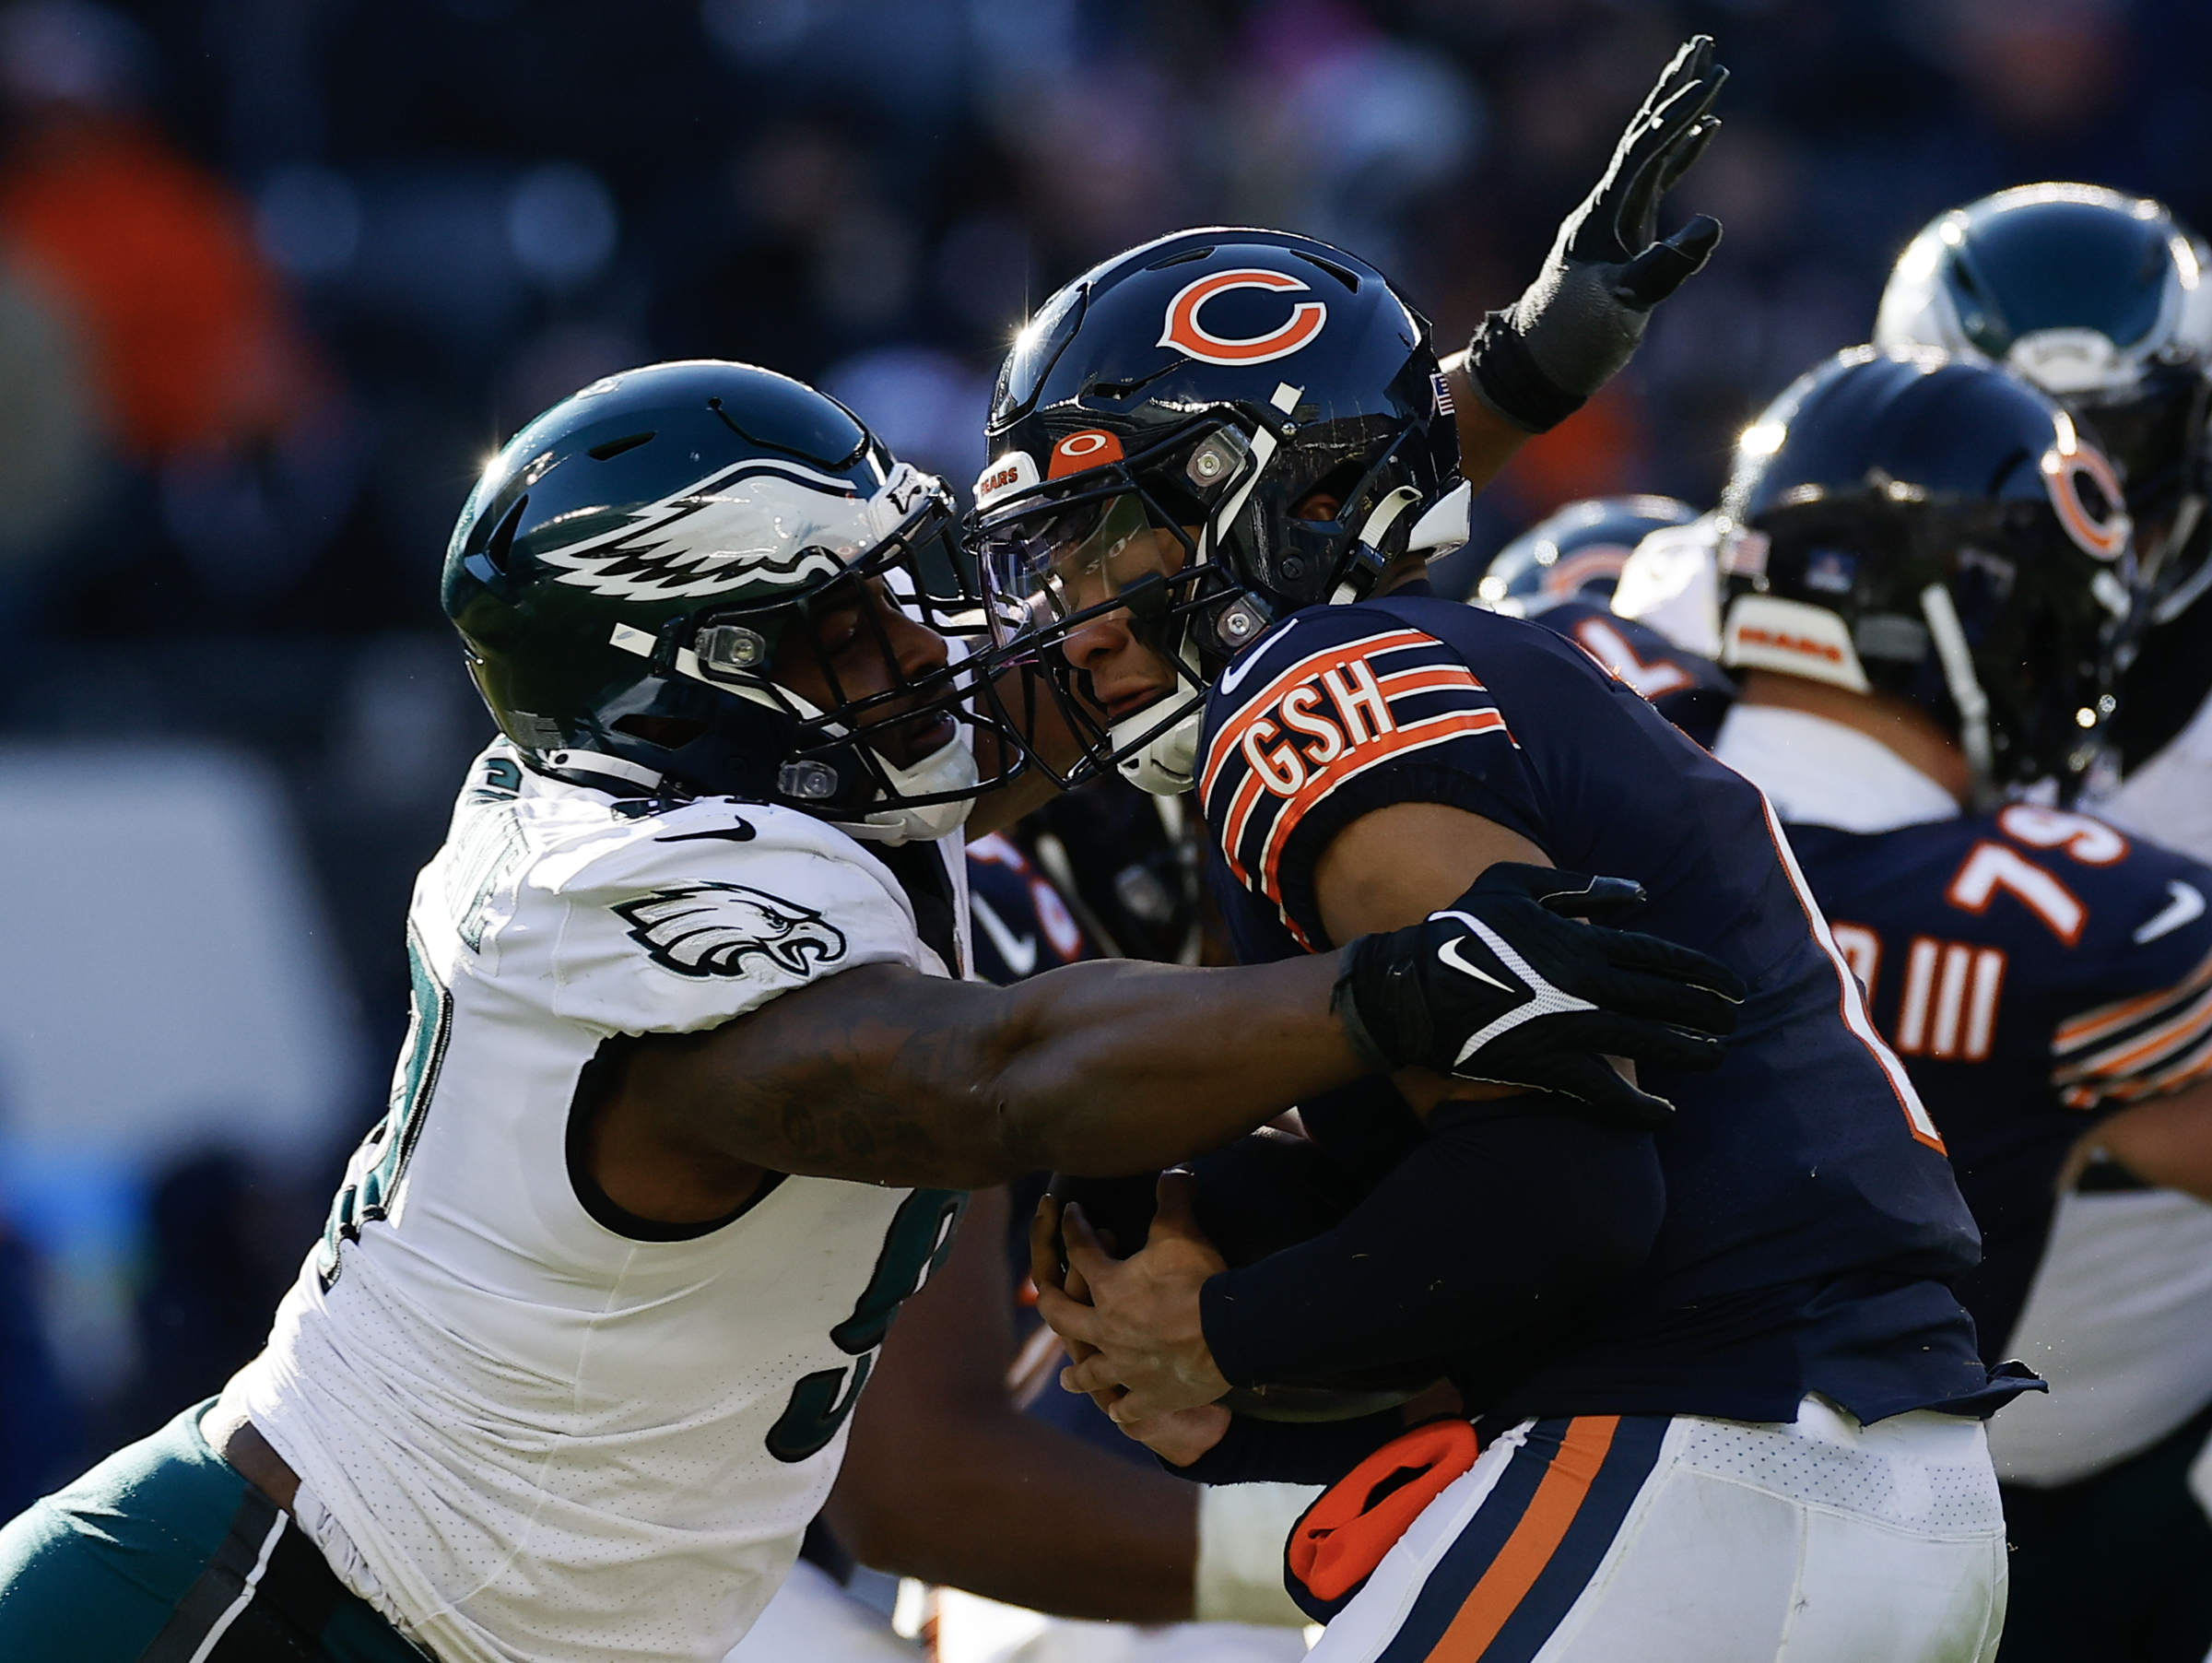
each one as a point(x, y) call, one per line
point(1293, 567)
point(1238, 623)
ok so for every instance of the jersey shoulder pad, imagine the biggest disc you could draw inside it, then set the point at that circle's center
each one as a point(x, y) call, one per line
point(673, 921)
point(1328, 696)
point(1670, 677)
point(2134, 988)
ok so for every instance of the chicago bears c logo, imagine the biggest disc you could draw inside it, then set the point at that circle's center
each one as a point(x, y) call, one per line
point(2086, 494)
point(711, 929)
point(1186, 333)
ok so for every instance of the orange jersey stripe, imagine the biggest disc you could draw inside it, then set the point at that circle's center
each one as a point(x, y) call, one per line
point(1559, 1496)
point(2093, 1025)
point(1432, 730)
point(1231, 733)
point(2121, 1060)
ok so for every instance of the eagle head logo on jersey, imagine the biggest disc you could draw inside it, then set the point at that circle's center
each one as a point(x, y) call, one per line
point(761, 522)
point(716, 930)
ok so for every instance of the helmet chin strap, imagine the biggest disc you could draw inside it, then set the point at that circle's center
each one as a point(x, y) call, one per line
point(1964, 686)
point(1167, 763)
point(950, 767)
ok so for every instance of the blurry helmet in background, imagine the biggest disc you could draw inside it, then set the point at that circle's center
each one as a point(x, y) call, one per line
point(1200, 387)
point(1576, 554)
point(1940, 531)
point(2098, 298)
point(628, 566)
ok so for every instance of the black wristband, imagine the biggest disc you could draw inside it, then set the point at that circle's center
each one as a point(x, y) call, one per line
point(1505, 373)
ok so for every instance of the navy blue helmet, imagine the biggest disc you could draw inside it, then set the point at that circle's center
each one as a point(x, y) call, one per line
point(1575, 553)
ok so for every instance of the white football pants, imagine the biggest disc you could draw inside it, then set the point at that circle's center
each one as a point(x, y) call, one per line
point(1644, 1540)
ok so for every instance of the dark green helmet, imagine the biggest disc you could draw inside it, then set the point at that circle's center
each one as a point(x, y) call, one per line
point(634, 564)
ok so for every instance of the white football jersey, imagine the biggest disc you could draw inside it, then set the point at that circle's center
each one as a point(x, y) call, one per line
point(540, 1427)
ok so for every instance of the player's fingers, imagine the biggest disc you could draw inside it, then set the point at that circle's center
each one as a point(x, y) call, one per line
point(1661, 999)
point(1044, 1244)
point(1635, 951)
point(1095, 1373)
point(1176, 1215)
point(1600, 1087)
point(1605, 1034)
point(1074, 1322)
point(1086, 1255)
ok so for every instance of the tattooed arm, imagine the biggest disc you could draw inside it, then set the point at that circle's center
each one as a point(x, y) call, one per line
point(886, 1076)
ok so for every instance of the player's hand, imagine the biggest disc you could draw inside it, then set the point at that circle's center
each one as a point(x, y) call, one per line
point(1138, 1345)
point(1504, 985)
point(1182, 1437)
point(1575, 326)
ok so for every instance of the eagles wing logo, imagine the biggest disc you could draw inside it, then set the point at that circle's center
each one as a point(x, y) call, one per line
point(757, 522)
point(713, 929)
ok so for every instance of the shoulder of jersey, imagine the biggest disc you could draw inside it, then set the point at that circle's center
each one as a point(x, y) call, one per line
point(2074, 881)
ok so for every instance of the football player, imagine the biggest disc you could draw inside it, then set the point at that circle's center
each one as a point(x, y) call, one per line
point(1914, 610)
point(2103, 301)
point(690, 1090)
point(1698, 1358)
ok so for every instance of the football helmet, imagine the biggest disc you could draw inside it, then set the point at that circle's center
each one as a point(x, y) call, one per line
point(1935, 529)
point(2100, 299)
point(1152, 430)
point(1576, 553)
point(633, 566)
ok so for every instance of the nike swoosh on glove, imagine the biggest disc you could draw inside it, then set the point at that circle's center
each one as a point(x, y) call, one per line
point(1505, 985)
point(1572, 329)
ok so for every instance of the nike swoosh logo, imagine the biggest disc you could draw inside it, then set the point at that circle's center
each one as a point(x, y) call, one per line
point(1019, 951)
point(1233, 677)
point(739, 833)
point(1449, 954)
point(2186, 907)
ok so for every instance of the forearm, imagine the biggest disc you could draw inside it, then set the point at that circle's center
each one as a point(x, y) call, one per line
point(1491, 1228)
point(2166, 1141)
point(1010, 1508)
point(1486, 441)
point(882, 1076)
point(1285, 1452)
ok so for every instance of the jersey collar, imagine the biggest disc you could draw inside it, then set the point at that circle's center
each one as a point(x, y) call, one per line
point(1822, 773)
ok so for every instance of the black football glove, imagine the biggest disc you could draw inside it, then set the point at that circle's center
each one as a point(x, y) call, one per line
point(1535, 362)
point(1504, 985)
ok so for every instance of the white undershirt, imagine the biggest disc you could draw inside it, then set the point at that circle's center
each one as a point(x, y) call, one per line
point(1820, 773)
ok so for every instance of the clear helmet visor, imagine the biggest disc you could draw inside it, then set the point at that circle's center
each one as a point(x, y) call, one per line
point(1054, 562)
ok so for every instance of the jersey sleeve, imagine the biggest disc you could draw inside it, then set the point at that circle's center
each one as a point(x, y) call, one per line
point(684, 920)
point(2156, 938)
point(1340, 711)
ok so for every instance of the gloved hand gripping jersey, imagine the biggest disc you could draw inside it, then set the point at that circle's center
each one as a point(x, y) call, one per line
point(1505, 985)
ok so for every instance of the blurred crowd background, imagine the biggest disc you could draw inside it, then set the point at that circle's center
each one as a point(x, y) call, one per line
point(276, 277)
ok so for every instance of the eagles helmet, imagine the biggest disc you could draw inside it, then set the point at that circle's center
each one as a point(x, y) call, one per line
point(1152, 430)
point(1935, 529)
point(1576, 554)
point(635, 565)
point(2098, 298)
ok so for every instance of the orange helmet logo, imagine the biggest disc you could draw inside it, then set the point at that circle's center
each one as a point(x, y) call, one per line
point(2096, 518)
point(1093, 447)
point(1186, 333)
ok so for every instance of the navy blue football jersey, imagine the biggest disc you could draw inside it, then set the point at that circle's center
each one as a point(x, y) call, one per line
point(1692, 692)
point(1023, 927)
point(2034, 969)
point(1813, 1224)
